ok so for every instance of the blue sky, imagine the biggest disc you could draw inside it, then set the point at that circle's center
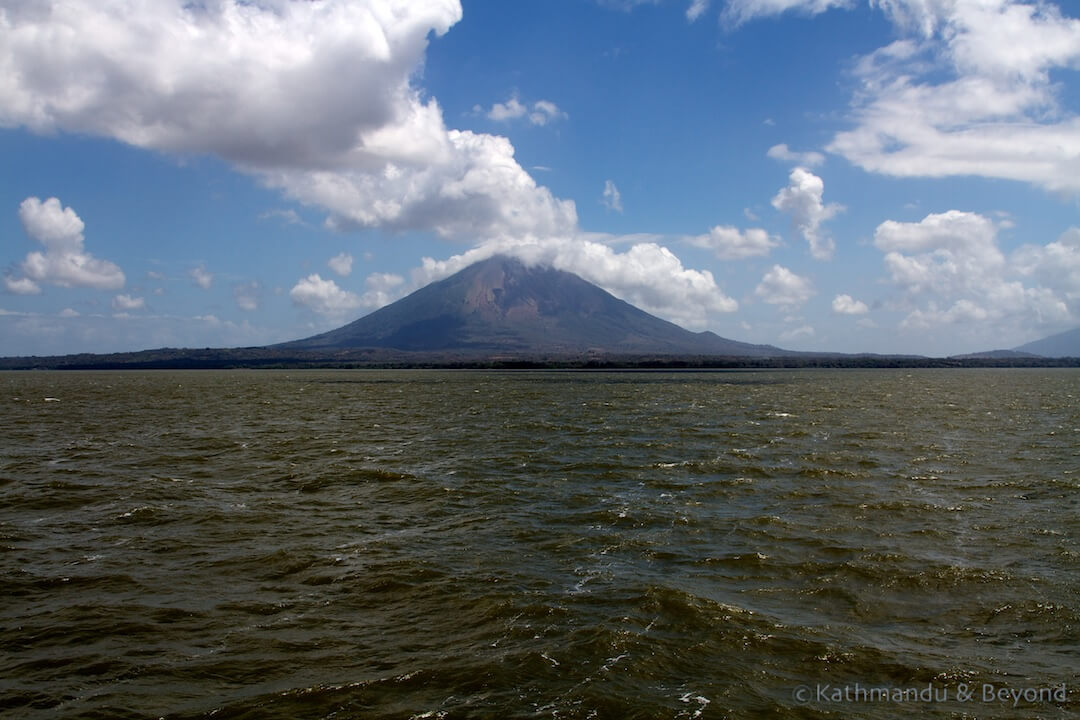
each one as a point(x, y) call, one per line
point(884, 176)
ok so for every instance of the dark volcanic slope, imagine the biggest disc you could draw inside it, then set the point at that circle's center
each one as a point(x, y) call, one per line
point(501, 305)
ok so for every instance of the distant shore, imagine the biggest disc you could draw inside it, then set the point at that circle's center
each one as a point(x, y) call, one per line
point(219, 359)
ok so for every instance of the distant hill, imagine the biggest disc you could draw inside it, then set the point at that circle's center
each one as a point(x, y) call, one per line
point(996, 355)
point(1066, 344)
point(501, 305)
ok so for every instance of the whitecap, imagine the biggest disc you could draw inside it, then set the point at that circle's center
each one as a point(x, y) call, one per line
point(701, 700)
point(610, 662)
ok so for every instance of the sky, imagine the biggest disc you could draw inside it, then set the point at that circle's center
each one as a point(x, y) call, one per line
point(889, 176)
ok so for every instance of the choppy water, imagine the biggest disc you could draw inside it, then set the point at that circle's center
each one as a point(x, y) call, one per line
point(378, 544)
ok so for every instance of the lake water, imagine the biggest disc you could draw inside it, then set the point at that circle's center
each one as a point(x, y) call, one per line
point(437, 544)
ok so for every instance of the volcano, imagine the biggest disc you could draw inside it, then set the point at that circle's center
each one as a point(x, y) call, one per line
point(501, 305)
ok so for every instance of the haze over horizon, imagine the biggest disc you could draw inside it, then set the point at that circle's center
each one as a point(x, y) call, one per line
point(890, 176)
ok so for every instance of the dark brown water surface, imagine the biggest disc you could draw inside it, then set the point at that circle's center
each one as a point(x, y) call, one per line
point(384, 544)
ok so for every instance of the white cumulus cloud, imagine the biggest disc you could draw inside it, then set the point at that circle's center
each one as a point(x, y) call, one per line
point(949, 270)
point(240, 79)
point(202, 277)
point(341, 264)
point(780, 286)
point(315, 99)
point(323, 296)
point(1055, 265)
point(508, 110)
point(540, 113)
point(730, 243)
point(802, 199)
point(969, 90)
point(847, 305)
point(65, 261)
point(473, 188)
point(945, 253)
point(124, 303)
point(381, 289)
point(21, 286)
point(545, 111)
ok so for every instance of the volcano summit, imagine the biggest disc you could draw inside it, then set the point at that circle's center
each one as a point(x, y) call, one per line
point(502, 305)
